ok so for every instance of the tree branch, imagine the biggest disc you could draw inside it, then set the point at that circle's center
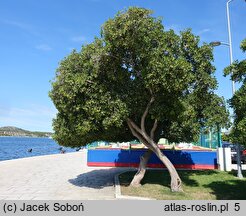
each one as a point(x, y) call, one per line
point(141, 135)
point(134, 126)
point(89, 81)
point(151, 143)
point(146, 113)
point(152, 132)
point(132, 129)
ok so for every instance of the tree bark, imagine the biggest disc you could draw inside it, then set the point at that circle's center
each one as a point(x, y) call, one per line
point(136, 181)
point(152, 146)
point(175, 179)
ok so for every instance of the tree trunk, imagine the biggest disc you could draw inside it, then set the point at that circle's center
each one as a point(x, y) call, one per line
point(151, 145)
point(148, 141)
point(136, 181)
point(175, 179)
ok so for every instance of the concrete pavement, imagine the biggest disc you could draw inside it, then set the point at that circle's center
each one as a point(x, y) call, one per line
point(56, 177)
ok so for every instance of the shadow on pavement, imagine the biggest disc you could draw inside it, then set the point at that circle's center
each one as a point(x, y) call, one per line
point(97, 179)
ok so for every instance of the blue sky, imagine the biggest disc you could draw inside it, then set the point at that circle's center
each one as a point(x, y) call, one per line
point(36, 35)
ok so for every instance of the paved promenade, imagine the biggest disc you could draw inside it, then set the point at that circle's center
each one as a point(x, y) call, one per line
point(56, 177)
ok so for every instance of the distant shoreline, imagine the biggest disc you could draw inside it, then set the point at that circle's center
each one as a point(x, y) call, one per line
point(28, 136)
point(10, 131)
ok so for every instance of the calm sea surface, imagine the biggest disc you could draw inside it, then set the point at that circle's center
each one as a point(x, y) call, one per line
point(17, 147)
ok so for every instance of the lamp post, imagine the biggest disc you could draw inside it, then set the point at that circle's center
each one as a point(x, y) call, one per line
point(229, 44)
point(229, 37)
point(218, 43)
point(239, 166)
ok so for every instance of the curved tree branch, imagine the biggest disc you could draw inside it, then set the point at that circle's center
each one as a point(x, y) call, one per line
point(146, 113)
point(151, 145)
point(142, 132)
point(152, 132)
point(136, 131)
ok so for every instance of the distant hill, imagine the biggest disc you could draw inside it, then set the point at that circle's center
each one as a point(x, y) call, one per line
point(14, 131)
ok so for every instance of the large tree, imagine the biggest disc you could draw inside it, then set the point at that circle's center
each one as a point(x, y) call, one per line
point(137, 80)
point(238, 102)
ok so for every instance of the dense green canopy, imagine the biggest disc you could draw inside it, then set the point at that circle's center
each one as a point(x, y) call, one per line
point(238, 101)
point(133, 65)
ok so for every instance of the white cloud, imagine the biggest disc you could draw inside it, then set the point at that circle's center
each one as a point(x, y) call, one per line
point(22, 26)
point(33, 118)
point(4, 110)
point(43, 47)
point(79, 39)
point(18, 24)
point(203, 31)
point(175, 27)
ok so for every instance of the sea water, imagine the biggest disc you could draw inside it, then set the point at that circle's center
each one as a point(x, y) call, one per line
point(19, 147)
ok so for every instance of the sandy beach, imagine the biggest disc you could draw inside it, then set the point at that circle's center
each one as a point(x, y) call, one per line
point(56, 177)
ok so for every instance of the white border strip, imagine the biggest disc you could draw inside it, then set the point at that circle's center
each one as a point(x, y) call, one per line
point(118, 194)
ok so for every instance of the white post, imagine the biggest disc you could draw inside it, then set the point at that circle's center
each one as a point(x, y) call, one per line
point(230, 41)
point(224, 159)
point(220, 159)
point(227, 159)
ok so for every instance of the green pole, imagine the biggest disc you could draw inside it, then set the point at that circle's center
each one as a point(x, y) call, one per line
point(210, 137)
point(219, 137)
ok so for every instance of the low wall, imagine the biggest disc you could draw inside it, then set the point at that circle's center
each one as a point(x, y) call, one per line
point(185, 159)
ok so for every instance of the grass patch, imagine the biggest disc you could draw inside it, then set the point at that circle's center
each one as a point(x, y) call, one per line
point(197, 185)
